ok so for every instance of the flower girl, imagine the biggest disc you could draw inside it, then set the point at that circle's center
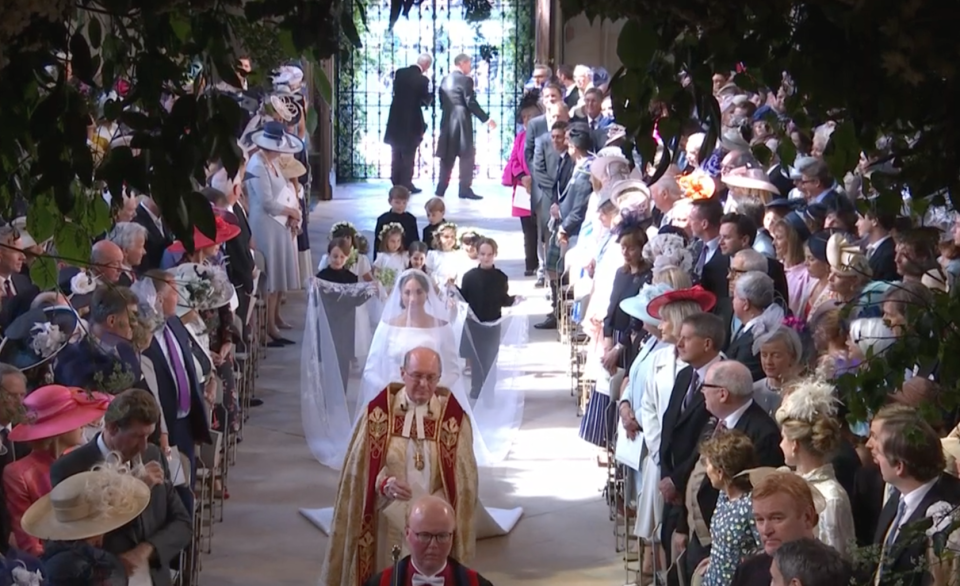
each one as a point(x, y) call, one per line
point(445, 263)
point(417, 256)
point(391, 258)
point(358, 264)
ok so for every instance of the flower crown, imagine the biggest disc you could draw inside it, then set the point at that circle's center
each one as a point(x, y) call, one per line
point(388, 228)
point(343, 225)
point(466, 233)
point(447, 226)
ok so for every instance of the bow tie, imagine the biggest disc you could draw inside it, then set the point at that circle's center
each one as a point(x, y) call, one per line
point(421, 580)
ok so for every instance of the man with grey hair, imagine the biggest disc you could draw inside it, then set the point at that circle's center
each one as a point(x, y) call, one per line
point(754, 307)
point(728, 397)
point(807, 562)
point(158, 236)
point(405, 122)
point(429, 452)
point(131, 237)
point(818, 186)
point(459, 103)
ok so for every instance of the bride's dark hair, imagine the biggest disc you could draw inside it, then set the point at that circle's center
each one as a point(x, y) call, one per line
point(416, 275)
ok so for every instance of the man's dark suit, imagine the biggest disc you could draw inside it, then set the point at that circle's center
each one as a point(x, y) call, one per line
point(900, 561)
point(537, 128)
point(573, 98)
point(883, 264)
point(459, 104)
point(740, 349)
point(546, 175)
point(461, 575)
point(165, 523)
point(405, 123)
point(753, 571)
point(240, 263)
point(765, 435)
point(572, 199)
point(157, 241)
point(679, 445)
point(713, 277)
point(24, 293)
point(779, 276)
point(195, 427)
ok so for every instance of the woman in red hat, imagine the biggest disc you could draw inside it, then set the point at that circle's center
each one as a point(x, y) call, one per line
point(56, 416)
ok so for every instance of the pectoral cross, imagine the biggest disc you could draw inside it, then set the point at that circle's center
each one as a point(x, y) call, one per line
point(418, 461)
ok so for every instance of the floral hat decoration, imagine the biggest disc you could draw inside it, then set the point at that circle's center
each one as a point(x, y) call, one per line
point(38, 335)
point(846, 258)
point(202, 287)
point(78, 287)
point(668, 250)
point(697, 185)
point(149, 305)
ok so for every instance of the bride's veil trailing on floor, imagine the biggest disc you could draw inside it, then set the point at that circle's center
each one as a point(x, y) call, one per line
point(479, 364)
point(328, 355)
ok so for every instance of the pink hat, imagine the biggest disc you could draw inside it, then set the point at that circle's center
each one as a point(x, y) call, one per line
point(56, 409)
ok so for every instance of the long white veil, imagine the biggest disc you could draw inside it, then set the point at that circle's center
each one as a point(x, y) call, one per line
point(416, 314)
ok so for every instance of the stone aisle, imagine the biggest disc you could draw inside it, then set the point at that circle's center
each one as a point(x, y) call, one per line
point(564, 537)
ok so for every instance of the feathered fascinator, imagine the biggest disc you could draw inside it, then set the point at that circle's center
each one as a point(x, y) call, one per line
point(697, 185)
point(942, 219)
point(631, 220)
point(810, 399)
point(668, 250)
point(846, 258)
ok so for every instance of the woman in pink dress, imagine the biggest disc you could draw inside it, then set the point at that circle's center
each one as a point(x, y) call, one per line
point(516, 174)
point(54, 422)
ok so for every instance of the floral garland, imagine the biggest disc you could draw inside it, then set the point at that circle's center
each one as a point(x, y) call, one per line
point(343, 226)
point(447, 226)
point(388, 228)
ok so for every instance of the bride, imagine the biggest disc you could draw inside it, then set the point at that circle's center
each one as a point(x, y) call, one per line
point(415, 315)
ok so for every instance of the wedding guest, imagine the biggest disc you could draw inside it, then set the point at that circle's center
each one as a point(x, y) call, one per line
point(809, 562)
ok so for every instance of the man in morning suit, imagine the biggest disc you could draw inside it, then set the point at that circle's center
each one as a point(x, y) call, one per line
point(727, 392)
point(405, 123)
point(164, 528)
point(753, 297)
point(158, 237)
point(429, 536)
point(224, 194)
point(180, 388)
point(16, 289)
point(700, 340)
point(711, 264)
point(459, 104)
point(910, 457)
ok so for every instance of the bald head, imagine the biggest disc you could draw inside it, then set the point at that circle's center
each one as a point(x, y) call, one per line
point(431, 510)
point(107, 258)
point(431, 525)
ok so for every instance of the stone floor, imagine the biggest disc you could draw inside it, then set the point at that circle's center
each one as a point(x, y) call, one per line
point(564, 537)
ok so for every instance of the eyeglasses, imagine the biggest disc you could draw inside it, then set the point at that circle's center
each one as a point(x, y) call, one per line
point(422, 378)
point(711, 386)
point(424, 537)
point(733, 273)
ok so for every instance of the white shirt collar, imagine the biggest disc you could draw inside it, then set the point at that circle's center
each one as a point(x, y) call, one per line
point(417, 570)
point(912, 499)
point(103, 447)
point(730, 421)
point(872, 247)
point(702, 371)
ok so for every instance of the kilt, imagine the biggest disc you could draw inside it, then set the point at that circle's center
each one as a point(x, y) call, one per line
point(553, 258)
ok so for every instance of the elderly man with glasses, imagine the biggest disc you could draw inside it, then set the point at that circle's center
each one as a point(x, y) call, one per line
point(413, 441)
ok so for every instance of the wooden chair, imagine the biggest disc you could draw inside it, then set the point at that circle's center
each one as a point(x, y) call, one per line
point(208, 472)
point(188, 572)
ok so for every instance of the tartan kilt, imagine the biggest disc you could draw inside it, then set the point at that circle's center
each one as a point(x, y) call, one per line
point(553, 257)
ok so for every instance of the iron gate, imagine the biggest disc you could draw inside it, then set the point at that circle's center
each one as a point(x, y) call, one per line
point(501, 45)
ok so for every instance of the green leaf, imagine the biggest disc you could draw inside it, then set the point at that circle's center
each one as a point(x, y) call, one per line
point(181, 28)
point(843, 150)
point(286, 43)
point(41, 221)
point(80, 59)
point(100, 220)
point(636, 44)
point(73, 243)
point(43, 272)
point(312, 120)
point(762, 153)
point(787, 151)
point(95, 32)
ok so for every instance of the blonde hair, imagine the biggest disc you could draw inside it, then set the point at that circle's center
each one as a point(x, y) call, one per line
point(674, 313)
point(808, 417)
point(673, 276)
point(789, 484)
point(794, 252)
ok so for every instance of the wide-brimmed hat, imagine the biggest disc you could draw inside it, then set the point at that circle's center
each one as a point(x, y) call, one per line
point(290, 167)
point(273, 137)
point(201, 287)
point(86, 505)
point(845, 257)
point(55, 409)
point(285, 109)
point(751, 179)
point(225, 231)
point(619, 190)
point(38, 335)
point(796, 221)
point(600, 166)
point(615, 132)
point(705, 299)
point(732, 140)
point(636, 306)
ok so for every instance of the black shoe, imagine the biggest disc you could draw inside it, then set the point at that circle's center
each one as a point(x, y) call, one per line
point(281, 341)
point(470, 195)
point(529, 273)
point(255, 402)
point(541, 283)
point(414, 190)
point(548, 324)
point(276, 344)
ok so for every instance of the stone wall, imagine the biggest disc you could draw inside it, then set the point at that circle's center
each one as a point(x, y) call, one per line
point(590, 44)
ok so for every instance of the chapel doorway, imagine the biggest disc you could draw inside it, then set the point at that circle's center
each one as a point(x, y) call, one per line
point(502, 47)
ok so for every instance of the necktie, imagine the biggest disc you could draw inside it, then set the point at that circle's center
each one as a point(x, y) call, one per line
point(421, 580)
point(692, 390)
point(720, 428)
point(8, 454)
point(179, 372)
point(702, 260)
point(891, 536)
point(593, 125)
point(8, 287)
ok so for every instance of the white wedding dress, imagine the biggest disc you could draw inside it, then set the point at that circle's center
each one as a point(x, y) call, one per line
point(494, 417)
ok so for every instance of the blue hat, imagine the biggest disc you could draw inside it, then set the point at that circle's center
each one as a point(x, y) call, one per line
point(38, 336)
point(637, 306)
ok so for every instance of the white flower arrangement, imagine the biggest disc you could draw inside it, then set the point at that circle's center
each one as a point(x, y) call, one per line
point(343, 225)
point(24, 577)
point(83, 283)
point(668, 250)
point(388, 228)
point(945, 517)
point(46, 339)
